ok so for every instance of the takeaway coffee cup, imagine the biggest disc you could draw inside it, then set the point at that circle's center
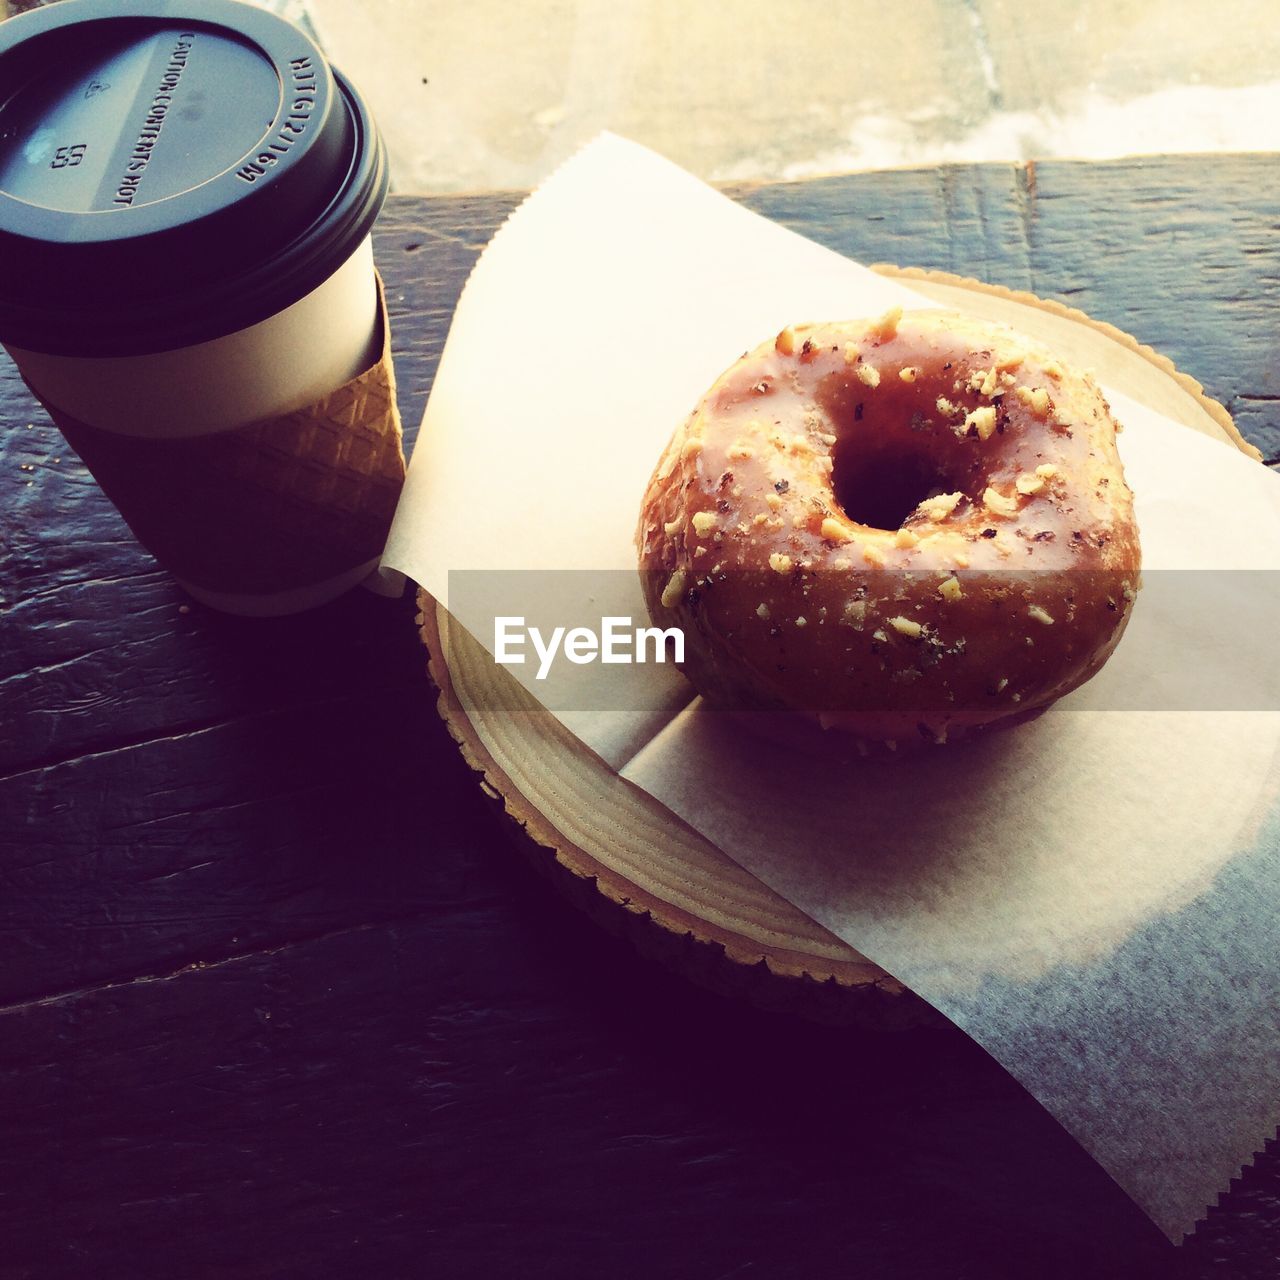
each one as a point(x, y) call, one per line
point(187, 284)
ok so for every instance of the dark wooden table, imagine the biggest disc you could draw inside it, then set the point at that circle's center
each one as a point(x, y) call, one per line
point(277, 997)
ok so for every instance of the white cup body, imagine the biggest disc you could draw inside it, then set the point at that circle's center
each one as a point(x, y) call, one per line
point(275, 366)
point(282, 363)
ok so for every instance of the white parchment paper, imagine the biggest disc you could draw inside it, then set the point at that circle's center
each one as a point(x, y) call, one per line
point(1091, 896)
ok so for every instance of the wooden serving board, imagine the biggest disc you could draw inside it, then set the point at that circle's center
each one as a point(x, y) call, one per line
point(637, 868)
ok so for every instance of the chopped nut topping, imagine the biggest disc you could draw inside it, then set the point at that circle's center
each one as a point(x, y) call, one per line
point(762, 610)
point(1053, 369)
point(906, 627)
point(940, 506)
point(703, 522)
point(947, 408)
point(1036, 399)
point(834, 531)
point(1002, 684)
point(740, 452)
point(855, 613)
point(869, 374)
point(1036, 612)
point(909, 373)
point(785, 343)
point(872, 555)
point(691, 446)
point(950, 589)
point(1028, 484)
point(780, 563)
point(852, 353)
point(1046, 471)
point(983, 421)
point(905, 538)
point(761, 517)
point(879, 634)
point(774, 502)
point(674, 589)
point(998, 504)
point(984, 382)
point(801, 622)
point(887, 326)
point(672, 527)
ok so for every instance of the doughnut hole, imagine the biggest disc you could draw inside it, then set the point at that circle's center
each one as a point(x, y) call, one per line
point(881, 488)
point(892, 449)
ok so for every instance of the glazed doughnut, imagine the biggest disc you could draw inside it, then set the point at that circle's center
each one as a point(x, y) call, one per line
point(907, 529)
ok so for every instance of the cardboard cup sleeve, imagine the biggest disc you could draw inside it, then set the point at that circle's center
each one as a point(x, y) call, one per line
point(271, 506)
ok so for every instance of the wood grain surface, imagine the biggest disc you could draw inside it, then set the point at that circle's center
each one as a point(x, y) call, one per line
point(276, 999)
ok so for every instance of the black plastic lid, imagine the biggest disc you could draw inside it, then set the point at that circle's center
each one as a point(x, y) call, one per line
point(171, 171)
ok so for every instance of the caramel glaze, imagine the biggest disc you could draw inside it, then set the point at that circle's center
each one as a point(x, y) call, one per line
point(906, 529)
